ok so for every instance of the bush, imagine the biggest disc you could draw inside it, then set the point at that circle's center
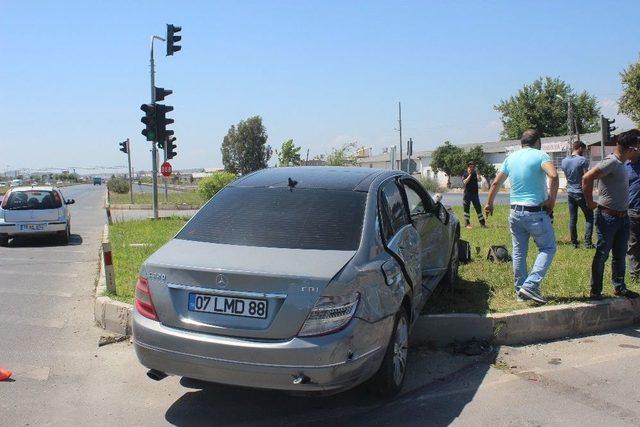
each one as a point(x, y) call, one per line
point(430, 184)
point(210, 185)
point(118, 185)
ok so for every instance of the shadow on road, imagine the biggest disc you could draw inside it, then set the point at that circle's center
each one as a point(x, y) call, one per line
point(438, 387)
point(43, 241)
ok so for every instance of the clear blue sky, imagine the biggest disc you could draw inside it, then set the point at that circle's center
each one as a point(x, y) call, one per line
point(73, 74)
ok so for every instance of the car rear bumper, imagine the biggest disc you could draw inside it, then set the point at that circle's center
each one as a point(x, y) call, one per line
point(14, 229)
point(332, 362)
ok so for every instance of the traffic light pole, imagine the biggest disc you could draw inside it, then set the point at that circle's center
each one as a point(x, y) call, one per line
point(164, 178)
point(130, 176)
point(154, 149)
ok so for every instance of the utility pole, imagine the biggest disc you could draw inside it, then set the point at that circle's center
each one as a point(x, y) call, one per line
point(400, 130)
point(306, 163)
point(409, 153)
point(130, 175)
point(154, 149)
point(164, 178)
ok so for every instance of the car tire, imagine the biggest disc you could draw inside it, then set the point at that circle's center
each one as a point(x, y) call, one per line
point(388, 381)
point(65, 236)
point(4, 240)
point(451, 276)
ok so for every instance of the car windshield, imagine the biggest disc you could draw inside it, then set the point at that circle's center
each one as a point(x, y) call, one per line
point(32, 199)
point(280, 218)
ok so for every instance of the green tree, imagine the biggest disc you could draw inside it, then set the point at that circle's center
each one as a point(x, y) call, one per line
point(449, 159)
point(485, 169)
point(244, 148)
point(210, 185)
point(542, 105)
point(344, 155)
point(629, 102)
point(289, 154)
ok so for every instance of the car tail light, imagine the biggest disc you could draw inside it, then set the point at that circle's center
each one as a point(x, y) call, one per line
point(330, 314)
point(143, 303)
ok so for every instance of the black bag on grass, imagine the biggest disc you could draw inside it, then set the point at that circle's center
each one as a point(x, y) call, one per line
point(498, 254)
point(464, 251)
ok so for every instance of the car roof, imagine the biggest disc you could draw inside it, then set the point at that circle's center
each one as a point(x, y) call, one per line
point(322, 177)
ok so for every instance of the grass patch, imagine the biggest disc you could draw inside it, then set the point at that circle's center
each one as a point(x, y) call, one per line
point(487, 287)
point(127, 259)
point(3, 189)
point(178, 197)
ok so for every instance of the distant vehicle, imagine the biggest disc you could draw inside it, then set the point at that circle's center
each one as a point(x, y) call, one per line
point(35, 211)
point(301, 279)
point(58, 182)
point(16, 182)
point(97, 180)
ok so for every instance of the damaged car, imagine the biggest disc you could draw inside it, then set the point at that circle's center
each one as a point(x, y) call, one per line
point(304, 279)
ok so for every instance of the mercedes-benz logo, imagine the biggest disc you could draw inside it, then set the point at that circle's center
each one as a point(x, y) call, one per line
point(221, 281)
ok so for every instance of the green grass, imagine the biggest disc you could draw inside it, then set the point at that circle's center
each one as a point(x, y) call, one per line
point(127, 259)
point(178, 197)
point(487, 287)
point(3, 189)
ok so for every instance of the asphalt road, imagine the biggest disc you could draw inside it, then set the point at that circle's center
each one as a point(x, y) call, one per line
point(61, 377)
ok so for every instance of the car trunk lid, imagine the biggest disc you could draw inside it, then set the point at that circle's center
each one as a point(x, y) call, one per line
point(289, 281)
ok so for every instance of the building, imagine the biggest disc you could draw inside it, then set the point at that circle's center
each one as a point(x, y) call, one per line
point(495, 152)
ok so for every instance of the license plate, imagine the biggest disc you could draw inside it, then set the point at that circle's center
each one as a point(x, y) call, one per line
point(232, 306)
point(33, 227)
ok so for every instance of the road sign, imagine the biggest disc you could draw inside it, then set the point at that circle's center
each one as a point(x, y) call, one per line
point(165, 169)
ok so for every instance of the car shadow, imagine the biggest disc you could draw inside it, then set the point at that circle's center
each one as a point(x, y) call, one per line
point(438, 387)
point(465, 297)
point(43, 241)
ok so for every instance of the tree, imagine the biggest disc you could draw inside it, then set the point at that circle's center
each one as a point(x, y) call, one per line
point(449, 159)
point(210, 185)
point(629, 102)
point(343, 156)
point(542, 105)
point(486, 169)
point(244, 148)
point(289, 154)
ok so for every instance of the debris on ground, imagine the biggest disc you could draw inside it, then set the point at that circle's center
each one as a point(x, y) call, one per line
point(111, 339)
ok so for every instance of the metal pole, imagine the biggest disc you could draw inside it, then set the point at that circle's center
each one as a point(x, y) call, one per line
point(164, 178)
point(409, 144)
point(400, 129)
point(154, 150)
point(130, 175)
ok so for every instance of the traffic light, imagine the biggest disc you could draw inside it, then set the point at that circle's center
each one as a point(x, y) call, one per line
point(124, 147)
point(162, 133)
point(149, 120)
point(171, 146)
point(161, 93)
point(606, 128)
point(172, 39)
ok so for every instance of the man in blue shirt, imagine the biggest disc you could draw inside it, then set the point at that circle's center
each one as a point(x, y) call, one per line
point(574, 167)
point(531, 209)
point(633, 171)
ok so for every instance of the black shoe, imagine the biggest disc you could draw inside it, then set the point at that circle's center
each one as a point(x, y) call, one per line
point(593, 296)
point(525, 293)
point(624, 292)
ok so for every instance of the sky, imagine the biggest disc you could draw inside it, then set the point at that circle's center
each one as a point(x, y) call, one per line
point(73, 74)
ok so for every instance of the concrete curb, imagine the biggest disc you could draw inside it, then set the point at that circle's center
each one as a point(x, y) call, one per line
point(162, 207)
point(113, 316)
point(528, 326)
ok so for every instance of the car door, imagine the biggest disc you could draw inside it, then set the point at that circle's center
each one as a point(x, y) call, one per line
point(400, 236)
point(422, 215)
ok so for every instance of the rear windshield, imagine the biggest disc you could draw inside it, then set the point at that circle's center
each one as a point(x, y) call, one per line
point(32, 199)
point(280, 218)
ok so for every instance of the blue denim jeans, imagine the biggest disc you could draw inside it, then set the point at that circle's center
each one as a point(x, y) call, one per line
point(613, 235)
point(537, 225)
point(577, 201)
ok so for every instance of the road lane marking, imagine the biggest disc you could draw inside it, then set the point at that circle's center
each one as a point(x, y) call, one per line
point(45, 323)
point(38, 273)
point(35, 292)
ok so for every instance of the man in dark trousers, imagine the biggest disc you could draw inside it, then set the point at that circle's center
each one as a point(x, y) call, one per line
point(470, 180)
point(611, 217)
point(633, 251)
point(574, 167)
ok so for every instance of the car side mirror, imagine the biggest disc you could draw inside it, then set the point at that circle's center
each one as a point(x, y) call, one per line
point(70, 202)
point(443, 213)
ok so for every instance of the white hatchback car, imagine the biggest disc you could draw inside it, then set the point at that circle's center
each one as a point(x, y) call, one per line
point(35, 211)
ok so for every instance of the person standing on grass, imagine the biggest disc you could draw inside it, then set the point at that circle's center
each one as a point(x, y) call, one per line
point(470, 181)
point(574, 167)
point(611, 217)
point(531, 210)
point(633, 251)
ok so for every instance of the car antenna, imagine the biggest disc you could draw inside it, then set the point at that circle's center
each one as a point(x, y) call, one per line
point(292, 183)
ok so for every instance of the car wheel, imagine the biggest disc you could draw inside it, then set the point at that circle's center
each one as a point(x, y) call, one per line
point(4, 240)
point(65, 235)
point(389, 379)
point(451, 276)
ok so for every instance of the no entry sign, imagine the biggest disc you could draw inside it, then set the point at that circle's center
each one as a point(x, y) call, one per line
point(165, 169)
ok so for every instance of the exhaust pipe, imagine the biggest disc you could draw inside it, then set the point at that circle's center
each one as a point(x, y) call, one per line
point(156, 375)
